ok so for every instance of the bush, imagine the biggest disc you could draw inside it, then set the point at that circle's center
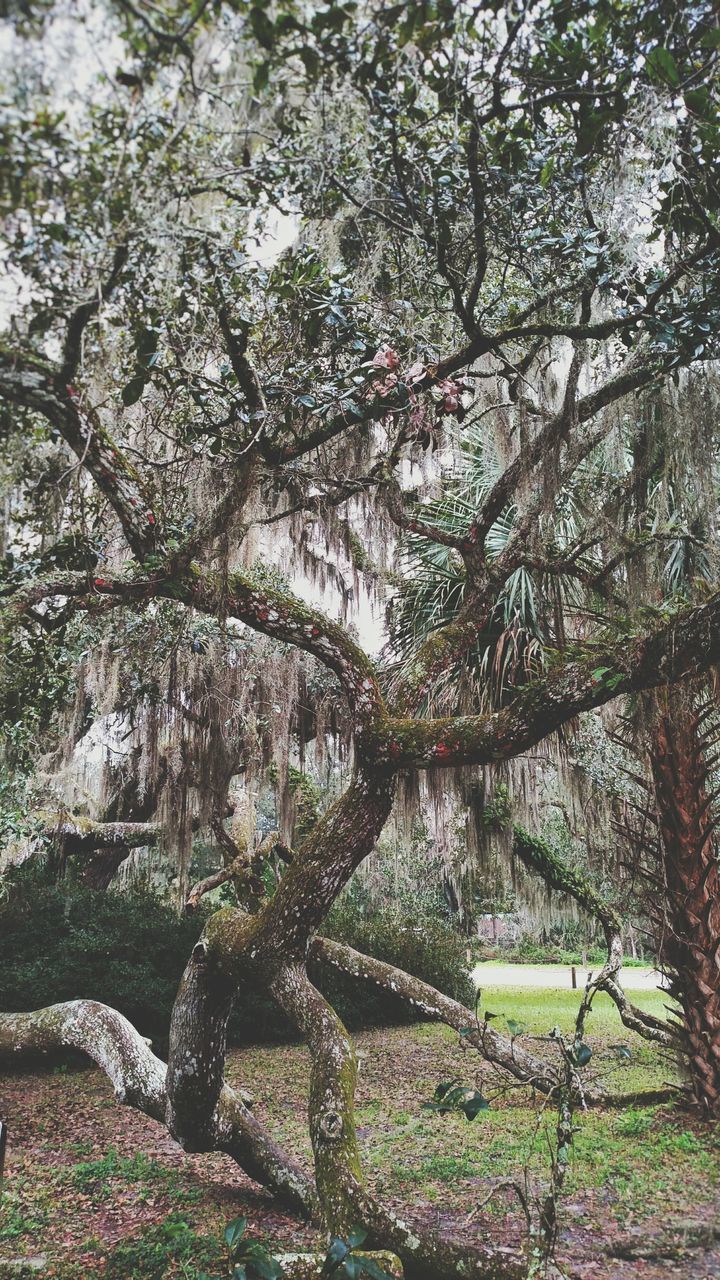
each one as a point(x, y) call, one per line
point(428, 948)
point(424, 946)
point(64, 941)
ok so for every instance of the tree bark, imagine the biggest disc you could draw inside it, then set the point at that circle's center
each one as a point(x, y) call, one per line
point(140, 1080)
point(344, 1197)
point(101, 866)
point(690, 936)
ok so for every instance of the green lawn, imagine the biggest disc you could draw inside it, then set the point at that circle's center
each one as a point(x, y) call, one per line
point(101, 1191)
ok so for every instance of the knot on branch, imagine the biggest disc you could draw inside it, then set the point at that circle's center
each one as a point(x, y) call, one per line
point(330, 1126)
point(200, 954)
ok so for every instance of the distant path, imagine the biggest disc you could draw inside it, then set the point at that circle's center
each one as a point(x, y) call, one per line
point(557, 977)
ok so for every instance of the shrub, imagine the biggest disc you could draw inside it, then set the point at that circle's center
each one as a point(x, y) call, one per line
point(64, 941)
point(424, 946)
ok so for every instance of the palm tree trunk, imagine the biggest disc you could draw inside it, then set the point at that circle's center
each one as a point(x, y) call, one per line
point(690, 938)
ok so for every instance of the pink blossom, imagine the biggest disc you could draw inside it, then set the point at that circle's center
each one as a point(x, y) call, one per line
point(386, 358)
point(387, 384)
point(451, 395)
point(415, 373)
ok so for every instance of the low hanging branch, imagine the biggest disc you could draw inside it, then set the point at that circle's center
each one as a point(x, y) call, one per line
point(498, 1049)
point(675, 649)
point(502, 1051)
point(538, 856)
point(139, 1081)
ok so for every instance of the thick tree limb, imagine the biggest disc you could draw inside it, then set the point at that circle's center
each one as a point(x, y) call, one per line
point(324, 863)
point(274, 613)
point(506, 1054)
point(137, 1076)
point(82, 835)
point(498, 1049)
point(139, 1081)
point(678, 649)
point(343, 1195)
point(72, 835)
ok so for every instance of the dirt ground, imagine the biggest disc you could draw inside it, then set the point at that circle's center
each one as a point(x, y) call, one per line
point(93, 1189)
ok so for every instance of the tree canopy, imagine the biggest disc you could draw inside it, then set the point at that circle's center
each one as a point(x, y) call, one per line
point(359, 387)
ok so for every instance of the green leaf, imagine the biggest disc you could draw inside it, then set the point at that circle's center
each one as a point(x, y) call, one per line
point(444, 1089)
point(265, 1266)
point(356, 1237)
point(583, 1054)
point(711, 39)
point(234, 1233)
point(515, 1028)
point(352, 408)
point(371, 1268)
point(336, 1253)
point(663, 67)
point(310, 59)
point(133, 390)
point(622, 1051)
point(261, 76)
point(589, 129)
point(262, 27)
point(474, 1105)
point(146, 345)
point(700, 103)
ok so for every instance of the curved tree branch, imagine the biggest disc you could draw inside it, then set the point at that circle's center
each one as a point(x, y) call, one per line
point(678, 649)
point(345, 1200)
point(498, 1049)
point(139, 1081)
point(538, 856)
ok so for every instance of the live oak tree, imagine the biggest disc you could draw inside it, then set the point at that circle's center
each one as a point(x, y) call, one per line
point(501, 274)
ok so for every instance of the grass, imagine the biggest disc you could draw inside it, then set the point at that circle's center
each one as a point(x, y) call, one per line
point(135, 1207)
point(101, 1178)
point(171, 1244)
point(639, 1158)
